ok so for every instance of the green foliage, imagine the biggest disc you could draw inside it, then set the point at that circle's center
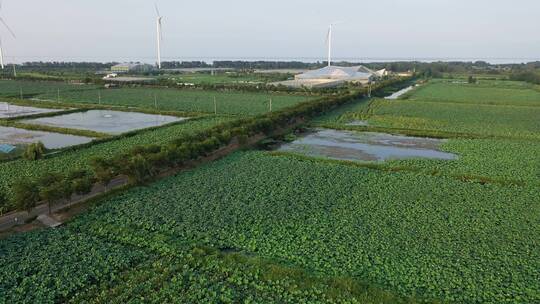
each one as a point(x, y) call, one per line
point(104, 170)
point(53, 187)
point(347, 221)
point(34, 151)
point(25, 194)
point(82, 185)
point(63, 260)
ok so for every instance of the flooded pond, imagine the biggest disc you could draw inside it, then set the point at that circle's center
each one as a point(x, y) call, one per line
point(10, 110)
point(366, 146)
point(105, 121)
point(16, 136)
point(398, 94)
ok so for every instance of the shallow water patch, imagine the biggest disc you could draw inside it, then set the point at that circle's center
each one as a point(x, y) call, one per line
point(8, 110)
point(106, 121)
point(16, 136)
point(366, 146)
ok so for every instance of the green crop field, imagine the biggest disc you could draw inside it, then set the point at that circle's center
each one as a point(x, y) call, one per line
point(511, 156)
point(438, 239)
point(482, 120)
point(274, 227)
point(12, 171)
point(183, 100)
point(189, 100)
point(492, 159)
point(10, 88)
point(220, 78)
point(485, 92)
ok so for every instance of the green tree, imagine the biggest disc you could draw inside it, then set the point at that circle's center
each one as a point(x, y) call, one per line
point(52, 188)
point(104, 170)
point(138, 169)
point(25, 194)
point(83, 185)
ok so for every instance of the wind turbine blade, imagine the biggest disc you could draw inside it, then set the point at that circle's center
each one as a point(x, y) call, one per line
point(157, 10)
point(327, 36)
point(8, 28)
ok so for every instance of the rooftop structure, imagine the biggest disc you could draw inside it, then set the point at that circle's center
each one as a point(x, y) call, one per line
point(349, 74)
point(131, 67)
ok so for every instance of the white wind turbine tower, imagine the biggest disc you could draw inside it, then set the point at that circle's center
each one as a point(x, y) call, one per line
point(159, 36)
point(12, 34)
point(329, 41)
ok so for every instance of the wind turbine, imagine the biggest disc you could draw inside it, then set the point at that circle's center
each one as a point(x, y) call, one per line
point(329, 41)
point(12, 34)
point(159, 36)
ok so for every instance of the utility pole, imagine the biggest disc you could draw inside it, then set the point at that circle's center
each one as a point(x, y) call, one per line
point(22, 97)
point(14, 71)
point(270, 104)
point(155, 101)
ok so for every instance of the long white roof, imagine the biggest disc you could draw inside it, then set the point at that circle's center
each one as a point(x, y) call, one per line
point(336, 72)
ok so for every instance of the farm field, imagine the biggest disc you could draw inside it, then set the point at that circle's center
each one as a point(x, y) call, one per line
point(276, 227)
point(441, 239)
point(12, 88)
point(187, 100)
point(184, 100)
point(510, 155)
point(484, 92)
point(220, 78)
point(480, 120)
point(12, 171)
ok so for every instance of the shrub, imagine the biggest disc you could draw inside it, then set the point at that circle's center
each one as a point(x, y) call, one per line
point(34, 151)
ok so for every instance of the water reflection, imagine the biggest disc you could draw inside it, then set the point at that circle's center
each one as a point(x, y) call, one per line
point(366, 146)
point(9, 110)
point(16, 136)
point(105, 121)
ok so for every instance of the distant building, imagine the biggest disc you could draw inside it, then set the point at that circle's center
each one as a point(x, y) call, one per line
point(348, 74)
point(333, 76)
point(131, 68)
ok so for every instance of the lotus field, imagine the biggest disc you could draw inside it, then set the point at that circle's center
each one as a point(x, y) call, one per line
point(441, 239)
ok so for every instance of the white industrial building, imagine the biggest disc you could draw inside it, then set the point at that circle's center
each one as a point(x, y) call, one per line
point(332, 76)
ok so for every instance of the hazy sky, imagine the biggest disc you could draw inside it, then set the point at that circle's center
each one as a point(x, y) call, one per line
point(124, 30)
